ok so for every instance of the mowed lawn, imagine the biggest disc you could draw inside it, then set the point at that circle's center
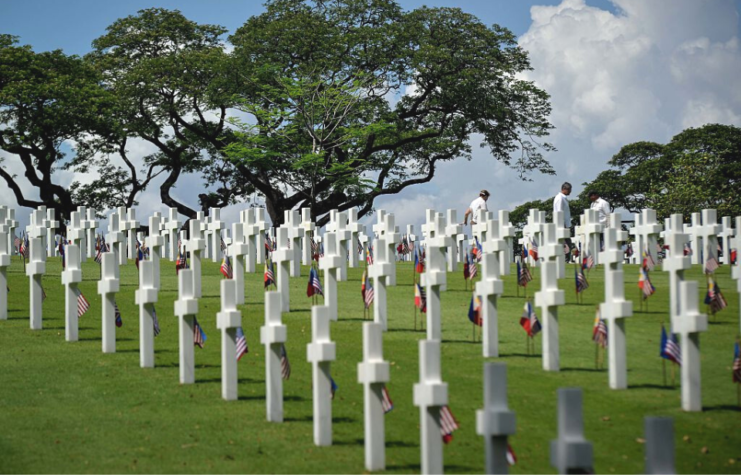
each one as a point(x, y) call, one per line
point(67, 407)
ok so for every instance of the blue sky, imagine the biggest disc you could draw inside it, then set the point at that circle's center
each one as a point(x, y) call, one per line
point(618, 71)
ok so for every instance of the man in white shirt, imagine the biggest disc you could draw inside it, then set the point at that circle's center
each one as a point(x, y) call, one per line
point(561, 203)
point(477, 204)
point(602, 207)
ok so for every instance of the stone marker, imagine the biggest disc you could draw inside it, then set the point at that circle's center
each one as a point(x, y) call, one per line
point(453, 230)
point(562, 233)
point(430, 394)
point(51, 226)
point(262, 226)
point(615, 309)
point(506, 232)
point(71, 277)
point(215, 226)
point(495, 422)
point(36, 267)
point(195, 245)
point(132, 226)
point(172, 225)
point(237, 251)
point(273, 335)
point(250, 232)
point(283, 257)
point(330, 263)
point(726, 237)
point(695, 239)
point(548, 299)
point(489, 288)
point(145, 298)
point(91, 226)
point(533, 232)
point(354, 228)
point(228, 320)
point(186, 309)
point(659, 434)
point(571, 452)
point(592, 230)
point(343, 240)
point(108, 287)
point(12, 224)
point(736, 268)
point(381, 270)
point(309, 227)
point(5, 255)
point(76, 232)
point(434, 277)
point(320, 353)
point(373, 374)
point(676, 262)
point(155, 242)
point(708, 233)
point(296, 232)
point(688, 324)
point(114, 238)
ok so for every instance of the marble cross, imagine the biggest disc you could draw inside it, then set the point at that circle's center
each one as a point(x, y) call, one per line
point(453, 230)
point(12, 224)
point(237, 250)
point(283, 257)
point(320, 353)
point(295, 235)
point(615, 309)
point(659, 434)
point(676, 262)
point(5, 255)
point(273, 335)
point(262, 226)
point(708, 232)
point(383, 268)
point(196, 244)
point(215, 226)
point(81, 225)
point(108, 287)
point(533, 231)
point(186, 309)
point(695, 239)
point(330, 263)
point(388, 236)
point(562, 233)
point(36, 268)
point(495, 422)
point(156, 243)
point(489, 288)
point(480, 229)
point(115, 237)
point(51, 226)
point(250, 232)
point(228, 320)
point(430, 394)
point(592, 230)
point(76, 232)
point(689, 323)
point(71, 278)
point(434, 277)
point(571, 452)
point(309, 228)
point(173, 224)
point(647, 231)
point(132, 225)
point(145, 298)
point(615, 221)
point(506, 232)
point(354, 228)
point(549, 298)
point(344, 245)
point(91, 226)
point(726, 237)
point(373, 374)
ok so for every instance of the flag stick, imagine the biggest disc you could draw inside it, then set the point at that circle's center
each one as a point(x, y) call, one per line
point(673, 365)
point(663, 364)
point(596, 356)
point(738, 394)
point(474, 331)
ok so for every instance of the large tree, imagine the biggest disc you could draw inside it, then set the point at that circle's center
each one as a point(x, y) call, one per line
point(348, 101)
point(46, 100)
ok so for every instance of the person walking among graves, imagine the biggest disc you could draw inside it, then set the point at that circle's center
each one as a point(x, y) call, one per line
point(477, 204)
point(561, 203)
point(603, 210)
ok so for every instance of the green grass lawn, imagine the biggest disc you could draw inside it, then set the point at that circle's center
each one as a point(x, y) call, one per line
point(66, 407)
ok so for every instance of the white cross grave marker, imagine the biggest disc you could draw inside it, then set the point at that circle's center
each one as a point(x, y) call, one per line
point(51, 226)
point(736, 268)
point(186, 309)
point(250, 231)
point(453, 230)
point(309, 227)
point(5, 255)
point(146, 297)
point(228, 320)
point(489, 288)
point(262, 226)
point(132, 225)
point(676, 262)
point(196, 245)
point(344, 245)
point(76, 231)
point(549, 298)
point(373, 374)
point(726, 237)
point(659, 434)
point(283, 257)
point(533, 232)
point(91, 226)
point(571, 452)
point(320, 353)
point(689, 323)
point(383, 268)
point(434, 277)
point(115, 237)
point(615, 309)
point(237, 251)
point(430, 394)
point(592, 230)
point(354, 228)
point(36, 268)
point(108, 286)
point(295, 235)
point(173, 224)
point(156, 243)
point(12, 224)
point(495, 422)
point(273, 335)
point(696, 243)
point(71, 277)
point(330, 263)
point(506, 232)
point(215, 226)
point(562, 233)
point(708, 232)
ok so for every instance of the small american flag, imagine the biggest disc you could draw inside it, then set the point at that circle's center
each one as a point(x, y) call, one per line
point(645, 284)
point(17, 243)
point(736, 363)
point(420, 298)
point(448, 424)
point(670, 347)
point(590, 260)
point(223, 244)
point(687, 249)
point(711, 265)
point(315, 285)
point(156, 322)
point(226, 267)
point(285, 365)
point(182, 262)
point(332, 387)
point(119, 320)
point(472, 267)
point(599, 331)
point(714, 297)
point(386, 401)
point(523, 274)
point(369, 255)
point(581, 281)
point(199, 336)
point(369, 294)
point(269, 276)
point(534, 249)
point(82, 304)
point(241, 344)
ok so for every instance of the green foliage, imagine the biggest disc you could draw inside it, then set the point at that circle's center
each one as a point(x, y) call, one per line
point(64, 404)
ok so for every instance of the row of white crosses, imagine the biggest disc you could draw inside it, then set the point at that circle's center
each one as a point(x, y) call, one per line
point(36, 266)
point(646, 232)
point(383, 269)
point(5, 255)
point(533, 232)
point(490, 287)
point(736, 270)
point(588, 233)
point(7, 217)
point(703, 233)
point(550, 296)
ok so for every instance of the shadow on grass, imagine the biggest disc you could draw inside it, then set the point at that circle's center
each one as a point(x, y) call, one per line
point(99, 338)
point(410, 466)
point(470, 342)
point(240, 380)
point(299, 419)
point(720, 322)
point(401, 443)
point(403, 330)
point(586, 370)
point(348, 442)
point(344, 420)
point(722, 407)
point(261, 397)
point(651, 386)
point(344, 319)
